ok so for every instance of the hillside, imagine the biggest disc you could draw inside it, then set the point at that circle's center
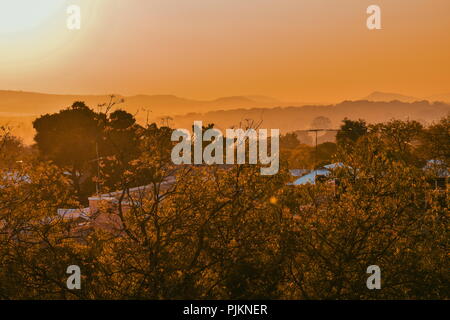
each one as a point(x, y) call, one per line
point(30, 103)
point(299, 118)
point(389, 96)
point(18, 110)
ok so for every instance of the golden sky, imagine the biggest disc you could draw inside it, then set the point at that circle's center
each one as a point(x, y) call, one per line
point(295, 50)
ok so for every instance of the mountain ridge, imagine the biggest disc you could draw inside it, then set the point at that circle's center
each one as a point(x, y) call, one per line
point(223, 112)
point(40, 103)
point(36, 103)
point(391, 96)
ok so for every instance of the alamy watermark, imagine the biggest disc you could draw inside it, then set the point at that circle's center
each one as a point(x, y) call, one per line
point(74, 17)
point(374, 20)
point(74, 280)
point(73, 21)
point(236, 141)
point(374, 280)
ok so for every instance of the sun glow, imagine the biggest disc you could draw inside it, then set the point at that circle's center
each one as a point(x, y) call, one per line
point(35, 37)
point(23, 15)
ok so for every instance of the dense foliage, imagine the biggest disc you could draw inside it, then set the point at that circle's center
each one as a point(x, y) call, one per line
point(227, 232)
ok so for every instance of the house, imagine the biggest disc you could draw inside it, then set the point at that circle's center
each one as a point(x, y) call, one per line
point(298, 172)
point(316, 175)
point(14, 178)
point(439, 174)
point(103, 211)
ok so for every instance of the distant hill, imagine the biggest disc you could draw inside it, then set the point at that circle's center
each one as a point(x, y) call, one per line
point(384, 96)
point(440, 97)
point(18, 110)
point(30, 103)
point(290, 119)
point(16, 103)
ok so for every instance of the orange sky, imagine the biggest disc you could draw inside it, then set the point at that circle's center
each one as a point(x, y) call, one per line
point(298, 50)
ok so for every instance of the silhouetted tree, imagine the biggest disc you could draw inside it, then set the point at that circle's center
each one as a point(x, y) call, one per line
point(12, 150)
point(325, 153)
point(118, 146)
point(227, 233)
point(68, 138)
point(81, 140)
point(289, 141)
point(401, 140)
point(351, 131)
point(321, 122)
point(435, 141)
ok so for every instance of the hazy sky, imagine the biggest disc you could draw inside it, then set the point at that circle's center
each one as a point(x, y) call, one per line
point(300, 50)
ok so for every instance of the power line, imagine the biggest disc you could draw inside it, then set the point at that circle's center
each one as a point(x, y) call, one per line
point(316, 131)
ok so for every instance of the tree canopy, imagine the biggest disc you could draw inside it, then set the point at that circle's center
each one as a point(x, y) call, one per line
point(219, 232)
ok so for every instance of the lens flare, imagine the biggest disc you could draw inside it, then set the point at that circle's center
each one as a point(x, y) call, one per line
point(24, 15)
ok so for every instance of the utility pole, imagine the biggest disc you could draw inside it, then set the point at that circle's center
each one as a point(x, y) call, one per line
point(316, 131)
point(97, 186)
point(97, 182)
